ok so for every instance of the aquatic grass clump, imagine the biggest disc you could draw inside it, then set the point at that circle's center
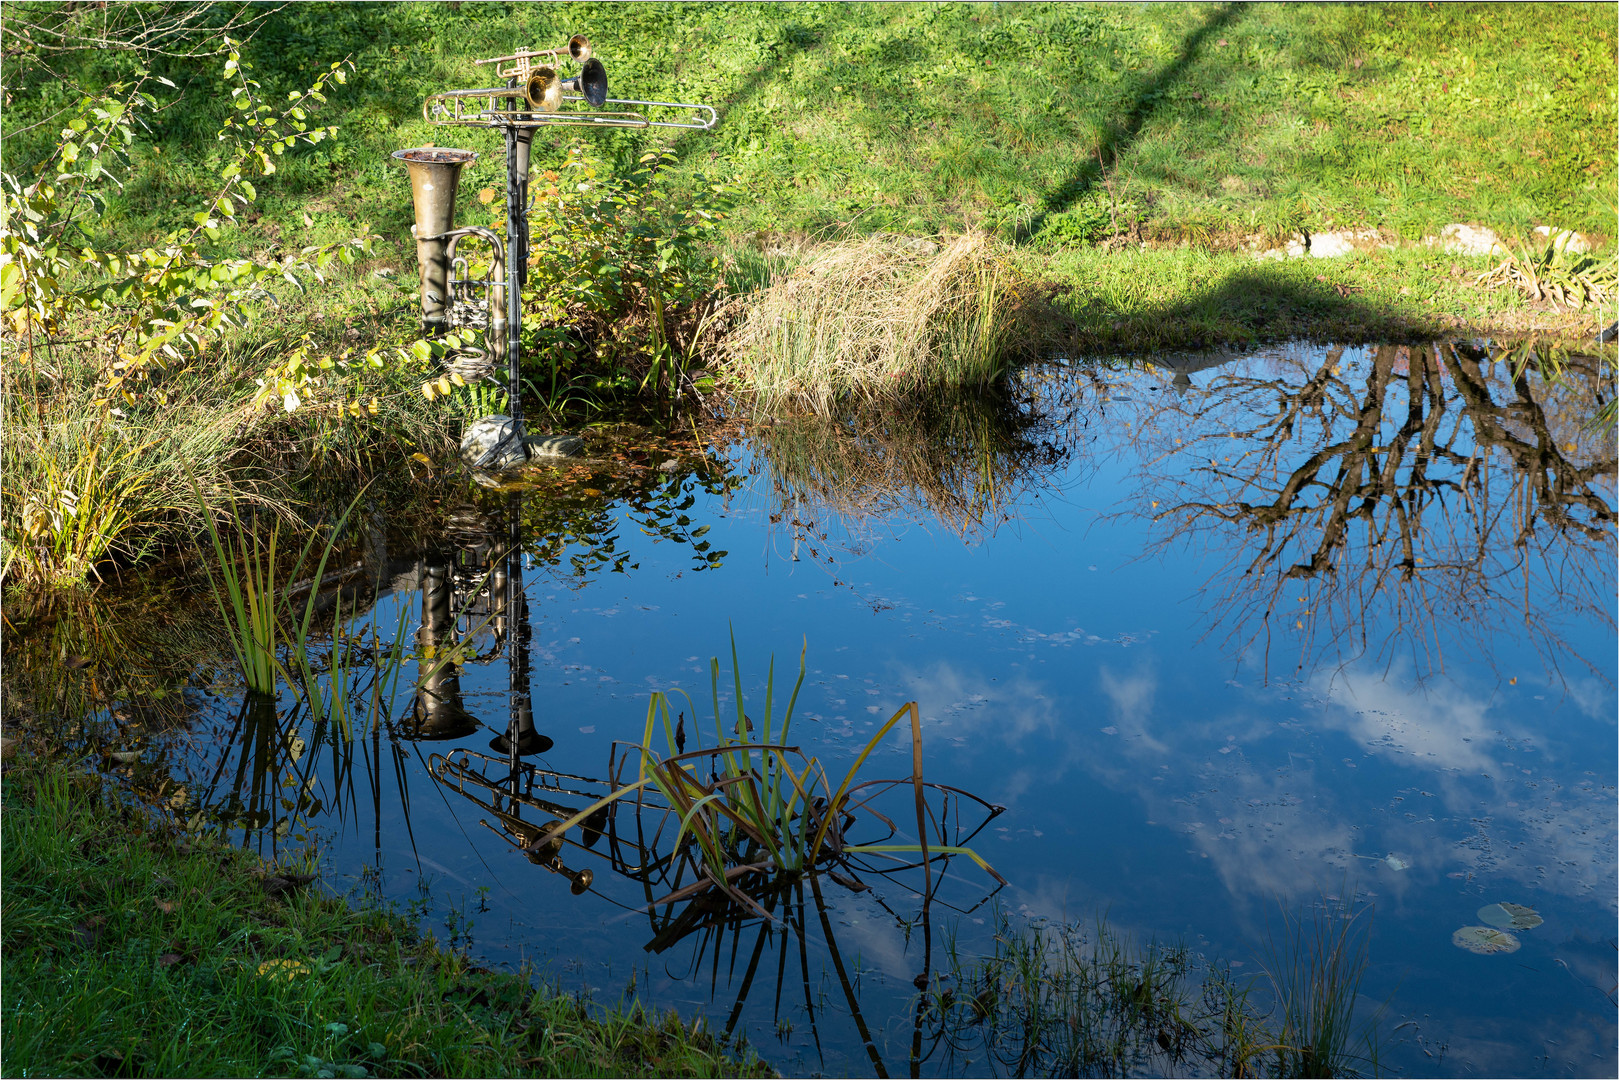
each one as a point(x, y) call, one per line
point(1060, 1001)
point(882, 317)
point(256, 610)
point(751, 814)
point(1315, 973)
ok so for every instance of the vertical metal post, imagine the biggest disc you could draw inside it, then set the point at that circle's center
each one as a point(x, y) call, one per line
point(516, 260)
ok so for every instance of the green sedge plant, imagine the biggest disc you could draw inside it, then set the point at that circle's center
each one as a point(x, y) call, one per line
point(752, 808)
point(256, 609)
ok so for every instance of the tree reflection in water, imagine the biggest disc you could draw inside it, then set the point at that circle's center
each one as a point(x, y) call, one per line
point(1428, 494)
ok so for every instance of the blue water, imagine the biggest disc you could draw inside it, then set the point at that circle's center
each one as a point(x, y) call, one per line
point(1183, 736)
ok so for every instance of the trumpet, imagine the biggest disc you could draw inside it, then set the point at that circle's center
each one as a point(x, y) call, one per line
point(577, 49)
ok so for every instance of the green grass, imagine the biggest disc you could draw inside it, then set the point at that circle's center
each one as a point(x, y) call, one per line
point(130, 949)
point(1057, 123)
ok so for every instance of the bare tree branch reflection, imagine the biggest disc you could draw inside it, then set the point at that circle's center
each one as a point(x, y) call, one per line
point(1439, 492)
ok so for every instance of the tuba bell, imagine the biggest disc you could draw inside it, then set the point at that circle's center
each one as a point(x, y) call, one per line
point(450, 299)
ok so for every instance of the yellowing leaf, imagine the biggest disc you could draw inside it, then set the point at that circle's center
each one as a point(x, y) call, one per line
point(428, 391)
point(283, 969)
point(486, 196)
point(443, 385)
point(457, 379)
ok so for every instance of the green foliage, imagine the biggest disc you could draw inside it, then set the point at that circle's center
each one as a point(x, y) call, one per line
point(621, 274)
point(158, 305)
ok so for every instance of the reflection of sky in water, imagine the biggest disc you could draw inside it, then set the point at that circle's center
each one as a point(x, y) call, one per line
point(1150, 768)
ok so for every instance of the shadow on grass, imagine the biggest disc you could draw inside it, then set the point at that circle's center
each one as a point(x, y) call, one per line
point(1124, 132)
point(1268, 302)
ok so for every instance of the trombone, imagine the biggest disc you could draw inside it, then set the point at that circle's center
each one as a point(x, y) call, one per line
point(462, 770)
point(698, 122)
point(542, 96)
point(590, 86)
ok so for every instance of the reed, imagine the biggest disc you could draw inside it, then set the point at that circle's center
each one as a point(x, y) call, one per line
point(256, 611)
point(753, 807)
point(1315, 972)
point(882, 317)
point(1052, 1000)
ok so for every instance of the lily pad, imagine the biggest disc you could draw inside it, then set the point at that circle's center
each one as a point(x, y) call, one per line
point(1484, 940)
point(1509, 916)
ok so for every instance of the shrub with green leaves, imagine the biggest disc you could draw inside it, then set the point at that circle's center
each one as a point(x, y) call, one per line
point(157, 306)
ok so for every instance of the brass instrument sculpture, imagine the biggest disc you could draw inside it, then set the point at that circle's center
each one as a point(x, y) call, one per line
point(538, 96)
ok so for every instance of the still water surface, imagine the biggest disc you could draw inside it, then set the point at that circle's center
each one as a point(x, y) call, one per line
point(1226, 637)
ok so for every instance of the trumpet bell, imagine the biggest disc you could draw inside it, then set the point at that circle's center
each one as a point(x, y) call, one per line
point(544, 90)
point(579, 48)
point(590, 82)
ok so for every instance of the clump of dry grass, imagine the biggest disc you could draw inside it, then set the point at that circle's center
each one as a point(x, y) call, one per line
point(882, 317)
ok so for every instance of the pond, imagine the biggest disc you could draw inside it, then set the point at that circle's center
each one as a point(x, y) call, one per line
point(1201, 645)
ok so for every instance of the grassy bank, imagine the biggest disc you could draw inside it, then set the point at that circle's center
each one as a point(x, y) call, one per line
point(131, 948)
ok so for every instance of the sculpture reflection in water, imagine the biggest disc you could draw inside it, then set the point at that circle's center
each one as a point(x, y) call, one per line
point(658, 870)
point(1395, 501)
point(471, 592)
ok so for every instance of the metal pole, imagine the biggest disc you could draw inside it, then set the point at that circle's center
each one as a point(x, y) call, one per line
point(516, 260)
point(517, 636)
